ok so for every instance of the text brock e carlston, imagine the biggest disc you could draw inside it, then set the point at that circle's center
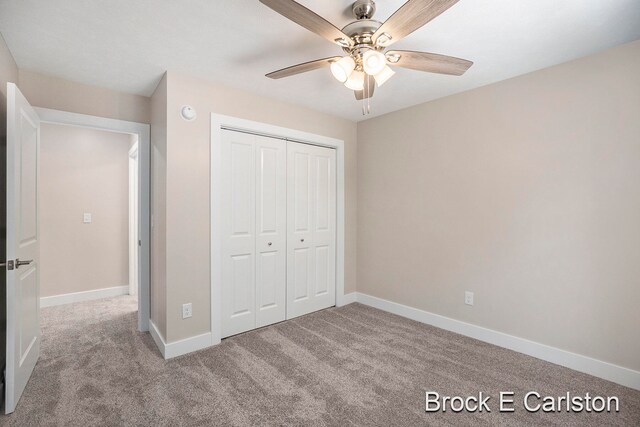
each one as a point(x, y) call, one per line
point(531, 402)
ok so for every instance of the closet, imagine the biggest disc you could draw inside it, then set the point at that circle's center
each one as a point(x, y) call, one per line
point(279, 230)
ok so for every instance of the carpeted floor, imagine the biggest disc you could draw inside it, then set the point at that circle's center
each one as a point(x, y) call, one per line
point(343, 366)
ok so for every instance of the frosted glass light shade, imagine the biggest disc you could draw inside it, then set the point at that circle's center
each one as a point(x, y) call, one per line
point(373, 62)
point(384, 75)
point(355, 81)
point(342, 68)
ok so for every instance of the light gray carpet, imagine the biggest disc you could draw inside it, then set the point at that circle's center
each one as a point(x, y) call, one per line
point(347, 366)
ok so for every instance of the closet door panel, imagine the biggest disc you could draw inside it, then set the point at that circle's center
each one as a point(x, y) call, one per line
point(301, 194)
point(301, 261)
point(271, 226)
point(311, 234)
point(322, 270)
point(325, 227)
point(242, 286)
point(238, 222)
point(299, 226)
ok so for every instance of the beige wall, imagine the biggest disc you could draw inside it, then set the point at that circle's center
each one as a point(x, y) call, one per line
point(187, 187)
point(8, 73)
point(525, 192)
point(52, 92)
point(159, 207)
point(83, 170)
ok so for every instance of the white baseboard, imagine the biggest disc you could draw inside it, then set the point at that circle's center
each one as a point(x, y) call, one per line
point(83, 296)
point(178, 348)
point(597, 368)
point(157, 337)
point(349, 298)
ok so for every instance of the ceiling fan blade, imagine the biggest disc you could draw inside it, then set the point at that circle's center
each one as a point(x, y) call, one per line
point(370, 85)
point(309, 20)
point(302, 68)
point(411, 16)
point(430, 62)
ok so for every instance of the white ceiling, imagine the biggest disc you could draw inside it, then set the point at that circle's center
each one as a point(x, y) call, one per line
point(126, 45)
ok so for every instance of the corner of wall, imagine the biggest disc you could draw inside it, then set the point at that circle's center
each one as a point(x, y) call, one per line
point(158, 208)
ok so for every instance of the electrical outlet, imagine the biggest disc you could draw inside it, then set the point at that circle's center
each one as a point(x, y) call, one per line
point(86, 218)
point(468, 298)
point(187, 310)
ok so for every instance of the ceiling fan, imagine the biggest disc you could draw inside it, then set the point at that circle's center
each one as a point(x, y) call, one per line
point(366, 64)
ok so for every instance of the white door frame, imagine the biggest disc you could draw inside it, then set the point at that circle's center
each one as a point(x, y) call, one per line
point(220, 122)
point(133, 219)
point(144, 157)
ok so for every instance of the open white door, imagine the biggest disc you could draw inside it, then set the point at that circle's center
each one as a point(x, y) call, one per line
point(22, 267)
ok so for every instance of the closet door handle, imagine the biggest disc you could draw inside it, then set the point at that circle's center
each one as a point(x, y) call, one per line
point(21, 263)
point(269, 243)
point(302, 240)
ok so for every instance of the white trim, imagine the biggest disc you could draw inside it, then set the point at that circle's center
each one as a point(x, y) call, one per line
point(133, 151)
point(83, 296)
point(217, 123)
point(187, 345)
point(157, 338)
point(178, 348)
point(350, 298)
point(617, 374)
point(144, 158)
point(133, 218)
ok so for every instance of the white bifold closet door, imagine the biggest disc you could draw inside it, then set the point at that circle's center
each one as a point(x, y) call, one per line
point(254, 226)
point(311, 228)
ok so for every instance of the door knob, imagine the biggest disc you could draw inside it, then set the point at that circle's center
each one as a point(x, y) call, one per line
point(20, 263)
point(302, 240)
point(8, 264)
point(269, 243)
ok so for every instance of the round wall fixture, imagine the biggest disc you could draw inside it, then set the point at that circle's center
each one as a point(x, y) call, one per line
point(188, 113)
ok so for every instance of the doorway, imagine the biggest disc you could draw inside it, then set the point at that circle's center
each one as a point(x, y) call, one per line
point(88, 244)
point(23, 226)
point(116, 223)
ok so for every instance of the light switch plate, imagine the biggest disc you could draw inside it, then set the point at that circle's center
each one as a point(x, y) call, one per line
point(86, 218)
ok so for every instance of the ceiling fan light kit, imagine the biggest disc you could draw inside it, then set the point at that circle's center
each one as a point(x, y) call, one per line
point(373, 62)
point(384, 75)
point(342, 68)
point(364, 41)
point(355, 81)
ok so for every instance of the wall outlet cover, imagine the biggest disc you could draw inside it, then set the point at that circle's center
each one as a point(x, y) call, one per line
point(86, 218)
point(187, 310)
point(468, 298)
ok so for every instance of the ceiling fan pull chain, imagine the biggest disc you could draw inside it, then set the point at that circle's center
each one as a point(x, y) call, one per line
point(364, 95)
point(369, 94)
point(367, 109)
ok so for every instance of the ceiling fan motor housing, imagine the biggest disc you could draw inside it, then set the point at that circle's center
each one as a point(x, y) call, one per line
point(361, 31)
point(364, 9)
